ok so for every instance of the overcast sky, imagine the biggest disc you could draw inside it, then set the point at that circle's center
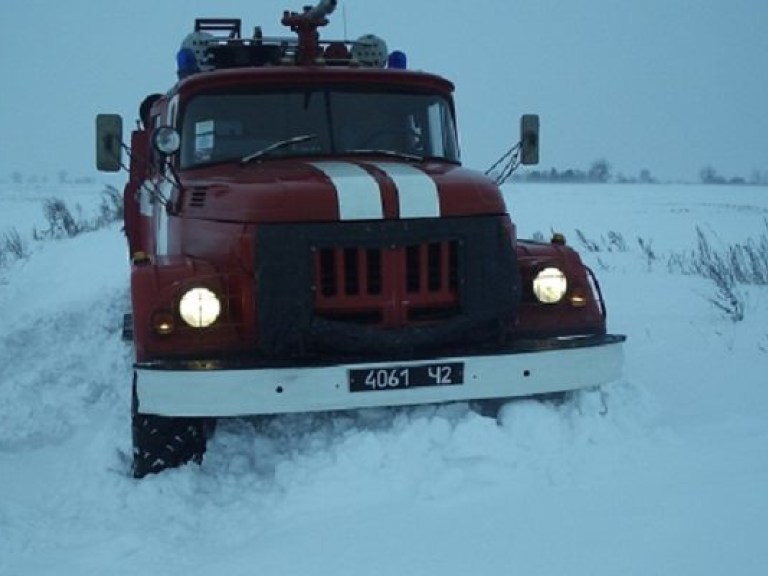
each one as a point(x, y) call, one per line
point(667, 85)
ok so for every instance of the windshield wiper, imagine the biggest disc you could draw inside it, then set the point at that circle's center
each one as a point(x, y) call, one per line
point(390, 153)
point(276, 146)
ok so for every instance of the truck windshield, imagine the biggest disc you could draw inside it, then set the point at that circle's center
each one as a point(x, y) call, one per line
point(227, 127)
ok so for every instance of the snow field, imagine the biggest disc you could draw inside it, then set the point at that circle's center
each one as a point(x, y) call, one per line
point(663, 472)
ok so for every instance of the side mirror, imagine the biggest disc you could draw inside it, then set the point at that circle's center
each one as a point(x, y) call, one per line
point(529, 139)
point(109, 142)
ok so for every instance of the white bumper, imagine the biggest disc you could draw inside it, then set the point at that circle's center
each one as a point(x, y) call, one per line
point(242, 392)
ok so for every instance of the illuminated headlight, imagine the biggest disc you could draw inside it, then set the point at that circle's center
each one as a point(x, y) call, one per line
point(199, 307)
point(550, 285)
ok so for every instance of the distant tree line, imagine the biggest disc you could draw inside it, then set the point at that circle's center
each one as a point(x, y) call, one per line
point(62, 177)
point(601, 172)
point(708, 175)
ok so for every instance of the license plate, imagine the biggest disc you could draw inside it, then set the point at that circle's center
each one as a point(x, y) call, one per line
point(403, 377)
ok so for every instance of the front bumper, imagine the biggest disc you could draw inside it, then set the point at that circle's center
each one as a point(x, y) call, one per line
point(221, 390)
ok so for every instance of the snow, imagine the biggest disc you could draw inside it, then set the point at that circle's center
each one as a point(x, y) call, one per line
point(663, 472)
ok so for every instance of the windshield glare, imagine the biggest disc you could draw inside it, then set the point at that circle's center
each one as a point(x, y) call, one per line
point(226, 127)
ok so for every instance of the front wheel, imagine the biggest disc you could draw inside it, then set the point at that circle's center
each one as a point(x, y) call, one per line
point(161, 442)
point(491, 407)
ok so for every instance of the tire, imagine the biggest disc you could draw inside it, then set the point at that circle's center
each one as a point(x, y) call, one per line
point(490, 408)
point(160, 442)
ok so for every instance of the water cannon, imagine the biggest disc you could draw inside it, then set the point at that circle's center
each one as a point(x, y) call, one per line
point(305, 24)
point(324, 8)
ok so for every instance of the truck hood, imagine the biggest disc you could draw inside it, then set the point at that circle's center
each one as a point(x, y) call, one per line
point(333, 190)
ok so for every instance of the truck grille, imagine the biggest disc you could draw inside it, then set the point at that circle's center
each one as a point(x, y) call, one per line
point(388, 286)
point(384, 288)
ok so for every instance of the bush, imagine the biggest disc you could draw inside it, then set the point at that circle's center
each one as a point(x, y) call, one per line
point(13, 245)
point(746, 262)
point(729, 267)
point(612, 242)
point(61, 222)
point(111, 207)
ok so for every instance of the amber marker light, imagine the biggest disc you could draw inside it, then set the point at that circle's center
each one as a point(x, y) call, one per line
point(163, 322)
point(578, 299)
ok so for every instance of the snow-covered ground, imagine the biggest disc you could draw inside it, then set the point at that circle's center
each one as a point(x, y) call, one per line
point(664, 472)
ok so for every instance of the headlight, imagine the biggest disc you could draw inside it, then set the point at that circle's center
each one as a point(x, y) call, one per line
point(199, 307)
point(550, 285)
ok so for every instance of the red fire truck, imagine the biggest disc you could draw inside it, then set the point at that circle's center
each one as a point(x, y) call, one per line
point(304, 238)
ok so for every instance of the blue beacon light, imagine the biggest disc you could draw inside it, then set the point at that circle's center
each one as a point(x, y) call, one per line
point(397, 60)
point(186, 63)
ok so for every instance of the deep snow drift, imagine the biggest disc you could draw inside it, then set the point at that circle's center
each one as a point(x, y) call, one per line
point(664, 472)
